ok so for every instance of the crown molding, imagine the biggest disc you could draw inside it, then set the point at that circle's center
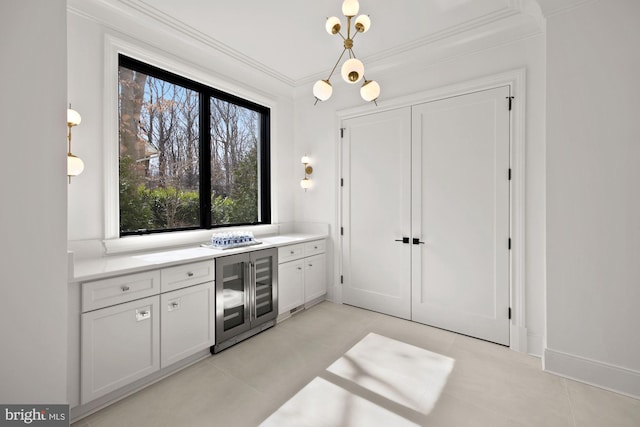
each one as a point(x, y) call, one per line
point(555, 7)
point(180, 27)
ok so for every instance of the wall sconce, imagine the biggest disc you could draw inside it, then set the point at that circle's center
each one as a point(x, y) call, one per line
point(308, 170)
point(75, 165)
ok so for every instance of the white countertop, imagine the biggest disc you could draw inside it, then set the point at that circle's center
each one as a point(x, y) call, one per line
point(112, 265)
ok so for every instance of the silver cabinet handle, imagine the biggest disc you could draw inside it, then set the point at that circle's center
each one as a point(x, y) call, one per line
point(142, 314)
point(190, 274)
point(125, 288)
point(174, 305)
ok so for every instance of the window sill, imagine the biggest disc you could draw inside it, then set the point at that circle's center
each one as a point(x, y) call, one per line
point(178, 238)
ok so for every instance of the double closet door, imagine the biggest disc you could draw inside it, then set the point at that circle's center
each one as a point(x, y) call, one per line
point(425, 213)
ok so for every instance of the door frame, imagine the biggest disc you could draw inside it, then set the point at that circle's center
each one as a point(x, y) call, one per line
point(516, 80)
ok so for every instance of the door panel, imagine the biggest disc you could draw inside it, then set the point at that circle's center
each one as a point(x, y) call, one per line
point(376, 212)
point(460, 210)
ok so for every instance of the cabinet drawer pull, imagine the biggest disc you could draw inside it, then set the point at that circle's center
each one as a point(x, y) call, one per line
point(174, 305)
point(143, 315)
point(125, 288)
point(315, 247)
point(190, 274)
point(292, 252)
point(310, 265)
point(299, 268)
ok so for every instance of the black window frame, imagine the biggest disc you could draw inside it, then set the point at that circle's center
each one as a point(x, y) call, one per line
point(264, 157)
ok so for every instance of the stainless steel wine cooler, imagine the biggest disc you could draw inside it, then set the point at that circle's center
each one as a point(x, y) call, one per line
point(246, 296)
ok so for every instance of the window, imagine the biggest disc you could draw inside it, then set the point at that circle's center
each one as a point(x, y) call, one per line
point(190, 156)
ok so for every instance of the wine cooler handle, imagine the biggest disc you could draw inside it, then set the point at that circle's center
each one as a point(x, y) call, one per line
point(247, 291)
point(255, 290)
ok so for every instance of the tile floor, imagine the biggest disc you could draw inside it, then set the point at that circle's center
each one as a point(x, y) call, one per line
point(490, 385)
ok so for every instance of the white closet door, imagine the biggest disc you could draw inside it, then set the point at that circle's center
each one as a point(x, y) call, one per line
point(460, 211)
point(376, 165)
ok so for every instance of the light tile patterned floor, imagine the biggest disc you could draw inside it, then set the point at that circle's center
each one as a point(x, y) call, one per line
point(489, 385)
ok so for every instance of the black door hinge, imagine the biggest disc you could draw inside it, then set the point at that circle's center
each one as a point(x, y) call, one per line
point(509, 174)
point(341, 132)
point(509, 243)
point(341, 182)
point(342, 281)
point(509, 313)
point(342, 231)
point(510, 98)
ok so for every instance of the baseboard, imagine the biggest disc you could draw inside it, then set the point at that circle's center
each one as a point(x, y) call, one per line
point(534, 345)
point(81, 411)
point(610, 377)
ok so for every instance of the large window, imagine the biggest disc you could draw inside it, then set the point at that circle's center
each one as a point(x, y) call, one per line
point(190, 156)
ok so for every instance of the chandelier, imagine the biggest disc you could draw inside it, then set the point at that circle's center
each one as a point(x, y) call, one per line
point(352, 70)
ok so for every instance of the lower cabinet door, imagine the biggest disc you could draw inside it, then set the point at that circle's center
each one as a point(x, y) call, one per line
point(315, 280)
point(120, 344)
point(187, 322)
point(290, 285)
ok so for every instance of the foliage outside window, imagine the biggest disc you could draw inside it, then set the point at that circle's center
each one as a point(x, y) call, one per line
point(190, 156)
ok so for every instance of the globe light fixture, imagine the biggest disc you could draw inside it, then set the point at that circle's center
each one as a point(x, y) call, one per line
point(352, 71)
point(75, 165)
point(308, 170)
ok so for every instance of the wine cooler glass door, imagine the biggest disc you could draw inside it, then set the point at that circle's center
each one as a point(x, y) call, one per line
point(232, 296)
point(265, 292)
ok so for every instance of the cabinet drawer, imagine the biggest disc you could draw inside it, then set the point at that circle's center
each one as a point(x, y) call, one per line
point(315, 247)
point(290, 252)
point(181, 276)
point(116, 290)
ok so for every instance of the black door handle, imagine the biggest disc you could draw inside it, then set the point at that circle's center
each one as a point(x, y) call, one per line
point(417, 241)
point(404, 240)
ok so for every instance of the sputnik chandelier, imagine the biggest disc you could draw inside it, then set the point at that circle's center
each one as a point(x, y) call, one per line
point(352, 70)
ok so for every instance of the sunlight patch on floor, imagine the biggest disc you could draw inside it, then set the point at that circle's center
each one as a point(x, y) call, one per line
point(379, 381)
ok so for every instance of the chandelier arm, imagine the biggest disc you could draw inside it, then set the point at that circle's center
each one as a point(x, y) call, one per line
point(335, 66)
point(348, 27)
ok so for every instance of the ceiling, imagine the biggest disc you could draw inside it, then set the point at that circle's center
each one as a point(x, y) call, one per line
point(287, 40)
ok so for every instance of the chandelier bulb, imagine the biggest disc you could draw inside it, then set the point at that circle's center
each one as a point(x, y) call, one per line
point(322, 90)
point(352, 70)
point(370, 90)
point(363, 23)
point(350, 8)
point(333, 25)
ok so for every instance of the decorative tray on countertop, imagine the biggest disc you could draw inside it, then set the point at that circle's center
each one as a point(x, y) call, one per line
point(232, 245)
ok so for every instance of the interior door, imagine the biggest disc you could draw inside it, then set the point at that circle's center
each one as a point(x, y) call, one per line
point(460, 213)
point(376, 209)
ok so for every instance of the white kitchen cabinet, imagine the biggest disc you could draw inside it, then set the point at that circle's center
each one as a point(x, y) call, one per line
point(315, 282)
point(187, 322)
point(302, 274)
point(120, 344)
point(136, 324)
point(290, 285)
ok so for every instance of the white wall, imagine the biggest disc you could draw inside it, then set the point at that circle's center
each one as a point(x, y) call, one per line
point(33, 266)
point(316, 133)
point(90, 25)
point(593, 188)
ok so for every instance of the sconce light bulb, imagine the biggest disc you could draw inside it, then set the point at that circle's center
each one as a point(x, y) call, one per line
point(305, 183)
point(73, 117)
